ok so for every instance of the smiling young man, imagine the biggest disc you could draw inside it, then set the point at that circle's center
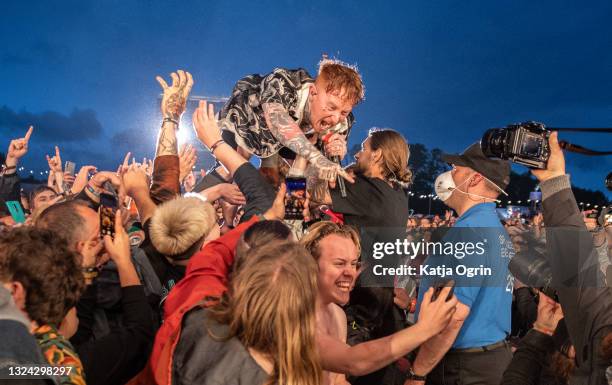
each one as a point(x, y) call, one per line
point(288, 109)
point(336, 249)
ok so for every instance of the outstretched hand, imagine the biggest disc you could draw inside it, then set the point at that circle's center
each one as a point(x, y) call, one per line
point(18, 148)
point(174, 99)
point(55, 162)
point(277, 211)
point(436, 315)
point(187, 159)
point(205, 124)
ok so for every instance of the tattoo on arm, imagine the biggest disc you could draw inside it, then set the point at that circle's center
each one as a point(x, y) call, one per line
point(167, 143)
point(286, 130)
point(318, 189)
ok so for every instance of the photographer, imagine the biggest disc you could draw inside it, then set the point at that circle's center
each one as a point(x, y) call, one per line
point(586, 303)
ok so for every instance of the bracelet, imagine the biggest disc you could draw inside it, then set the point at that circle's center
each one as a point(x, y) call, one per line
point(544, 330)
point(170, 120)
point(216, 144)
point(6, 168)
point(92, 190)
point(413, 376)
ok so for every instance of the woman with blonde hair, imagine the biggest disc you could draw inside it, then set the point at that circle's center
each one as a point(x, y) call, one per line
point(264, 330)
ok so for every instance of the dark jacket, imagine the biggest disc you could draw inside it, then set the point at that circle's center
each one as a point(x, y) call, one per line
point(123, 352)
point(204, 360)
point(530, 361)
point(586, 301)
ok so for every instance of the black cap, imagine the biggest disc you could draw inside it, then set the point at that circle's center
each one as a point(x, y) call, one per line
point(496, 170)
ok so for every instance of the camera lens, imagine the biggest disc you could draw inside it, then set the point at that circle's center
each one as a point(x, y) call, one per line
point(492, 142)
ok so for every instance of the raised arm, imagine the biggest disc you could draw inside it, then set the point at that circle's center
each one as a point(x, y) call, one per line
point(287, 131)
point(207, 130)
point(165, 183)
point(9, 179)
point(136, 185)
point(173, 105)
point(367, 357)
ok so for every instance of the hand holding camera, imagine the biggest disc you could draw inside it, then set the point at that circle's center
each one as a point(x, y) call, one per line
point(556, 161)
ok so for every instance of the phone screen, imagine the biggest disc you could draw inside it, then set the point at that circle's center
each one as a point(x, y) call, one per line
point(108, 208)
point(69, 167)
point(295, 198)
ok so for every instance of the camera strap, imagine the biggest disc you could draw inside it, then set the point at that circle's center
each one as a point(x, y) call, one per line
point(567, 146)
point(580, 149)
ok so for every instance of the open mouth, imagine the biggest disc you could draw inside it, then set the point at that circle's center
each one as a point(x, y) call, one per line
point(344, 285)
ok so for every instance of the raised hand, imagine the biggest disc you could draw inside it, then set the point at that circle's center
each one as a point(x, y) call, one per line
point(277, 211)
point(436, 315)
point(187, 159)
point(189, 182)
point(232, 194)
point(18, 148)
point(174, 100)
point(205, 124)
point(549, 315)
point(125, 164)
point(55, 162)
point(98, 180)
point(556, 162)
point(118, 247)
point(135, 178)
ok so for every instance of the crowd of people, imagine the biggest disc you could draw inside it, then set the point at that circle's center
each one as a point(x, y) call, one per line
point(149, 275)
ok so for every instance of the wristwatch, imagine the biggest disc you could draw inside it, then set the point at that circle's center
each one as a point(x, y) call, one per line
point(412, 376)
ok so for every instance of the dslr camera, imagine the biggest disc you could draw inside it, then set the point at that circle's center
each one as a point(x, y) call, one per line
point(524, 143)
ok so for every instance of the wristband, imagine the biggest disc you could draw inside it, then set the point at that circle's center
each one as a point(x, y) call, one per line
point(544, 330)
point(412, 376)
point(216, 144)
point(92, 190)
point(6, 168)
point(171, 121)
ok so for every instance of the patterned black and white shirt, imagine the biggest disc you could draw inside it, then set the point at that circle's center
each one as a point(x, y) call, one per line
point(243, 113)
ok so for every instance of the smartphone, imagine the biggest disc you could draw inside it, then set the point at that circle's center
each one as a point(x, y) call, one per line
point(438, 290)
point(295, 198)
point(16, 211)
point(69, 167)
point(108, 209)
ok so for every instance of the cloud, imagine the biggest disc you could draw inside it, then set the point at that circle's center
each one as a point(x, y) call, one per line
point(52, 126)
point(41, 52)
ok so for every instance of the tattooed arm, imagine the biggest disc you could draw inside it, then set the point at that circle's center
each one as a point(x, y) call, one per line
point(286, 130)
point(173, 105)
point(318, 189)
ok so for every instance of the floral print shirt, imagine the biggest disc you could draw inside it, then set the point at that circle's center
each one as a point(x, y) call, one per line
point(58, 351)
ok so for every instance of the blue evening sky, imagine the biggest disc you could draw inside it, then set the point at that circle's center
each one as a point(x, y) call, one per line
point(441, 72)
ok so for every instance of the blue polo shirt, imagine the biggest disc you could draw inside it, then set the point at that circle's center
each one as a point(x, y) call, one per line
point(489, 297)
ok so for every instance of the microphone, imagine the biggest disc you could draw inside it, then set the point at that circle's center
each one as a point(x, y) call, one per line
point(336, 159)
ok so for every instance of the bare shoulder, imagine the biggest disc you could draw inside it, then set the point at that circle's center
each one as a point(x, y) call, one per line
point(339, 321)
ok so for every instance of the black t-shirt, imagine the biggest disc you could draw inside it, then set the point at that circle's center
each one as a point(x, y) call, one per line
point(380, 213)
point(371, 202)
